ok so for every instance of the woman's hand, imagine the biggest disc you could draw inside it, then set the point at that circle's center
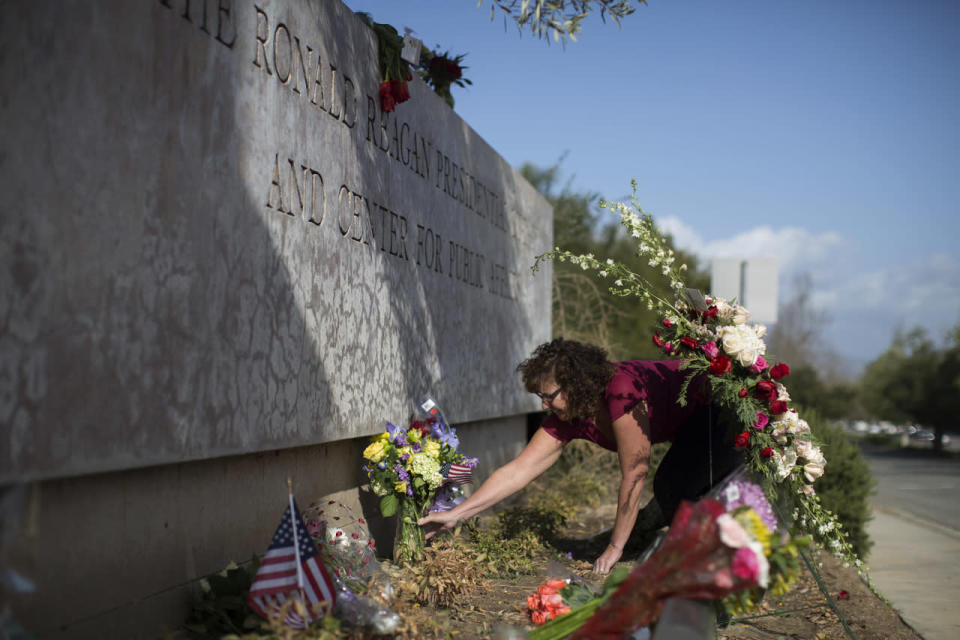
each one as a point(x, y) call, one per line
point(607, 559)
point(441, 521)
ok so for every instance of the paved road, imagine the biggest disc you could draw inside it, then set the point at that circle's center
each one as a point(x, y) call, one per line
point(916, 535)
point(917, 484)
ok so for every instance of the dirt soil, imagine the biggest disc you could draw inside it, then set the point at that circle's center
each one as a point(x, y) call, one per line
point(499, 610)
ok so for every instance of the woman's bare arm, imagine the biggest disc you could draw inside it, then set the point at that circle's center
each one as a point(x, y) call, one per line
point(633, 448)
point(539, 454)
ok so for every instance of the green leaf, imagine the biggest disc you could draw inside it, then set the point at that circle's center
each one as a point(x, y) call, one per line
point(388, 505)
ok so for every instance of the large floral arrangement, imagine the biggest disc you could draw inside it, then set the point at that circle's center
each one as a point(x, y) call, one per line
point(717, 342)
point(409, 468)
point(725, 546)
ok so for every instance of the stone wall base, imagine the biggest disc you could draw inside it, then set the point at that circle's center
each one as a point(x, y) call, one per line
point(118, 555)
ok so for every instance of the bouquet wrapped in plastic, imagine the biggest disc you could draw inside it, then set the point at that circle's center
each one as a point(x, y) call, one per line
point(409, 468)
point(726, 546)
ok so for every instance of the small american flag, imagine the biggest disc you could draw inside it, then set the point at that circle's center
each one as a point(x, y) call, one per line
point(291, 562)
point(457, 473)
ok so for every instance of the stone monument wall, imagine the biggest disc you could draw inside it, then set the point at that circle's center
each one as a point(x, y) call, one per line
point(214, 242)
point(222, 264)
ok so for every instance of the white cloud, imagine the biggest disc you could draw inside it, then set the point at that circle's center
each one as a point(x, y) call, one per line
point(794, 248)
point(865, 305)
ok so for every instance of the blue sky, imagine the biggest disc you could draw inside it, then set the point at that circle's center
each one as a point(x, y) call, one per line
point(825, 134)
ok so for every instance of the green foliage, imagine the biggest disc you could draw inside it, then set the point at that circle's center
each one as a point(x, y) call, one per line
point(506, 556)
point(584, 309)
point(221, 607)
point(916, 381)
point(561, 19)
point(847, 482)
point(389, 504)
point(541, 520)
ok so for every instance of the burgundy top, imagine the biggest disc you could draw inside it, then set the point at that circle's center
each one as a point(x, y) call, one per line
point(655, 382)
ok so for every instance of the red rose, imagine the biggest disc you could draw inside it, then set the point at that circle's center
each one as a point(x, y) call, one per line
point(711, 312)
point(843, 595)
point(387, 101)
point(766, 390)
point(399, 90)
point(742, 440)
point(667, 323)
point(777, 407)
point(657, 340)
point(720, 365)
point(454, 70)
point(766, 453)
point(690, 342)
point(779, 371)
point(742, 393)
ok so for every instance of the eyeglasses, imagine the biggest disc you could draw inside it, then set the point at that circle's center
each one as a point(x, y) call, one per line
point(549, 397)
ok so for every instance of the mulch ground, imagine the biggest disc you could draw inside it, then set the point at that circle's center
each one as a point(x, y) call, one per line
point(499, 609)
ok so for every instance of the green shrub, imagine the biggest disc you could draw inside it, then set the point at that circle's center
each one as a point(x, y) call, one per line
point(847, 482)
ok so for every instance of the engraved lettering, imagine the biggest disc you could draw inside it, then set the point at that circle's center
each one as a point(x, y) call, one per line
point(314, 189)
point(340, 197)
point(275, 182)
point(281, 76)
point(260, 42)
point(372, 129)
point(333, 92)
point(349, 97)
point(225, 9)
point(304, 67)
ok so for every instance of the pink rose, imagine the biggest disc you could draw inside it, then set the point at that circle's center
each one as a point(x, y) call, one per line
point(745, 565)
point(710, 348)
point(759, 365)
point(762, 420)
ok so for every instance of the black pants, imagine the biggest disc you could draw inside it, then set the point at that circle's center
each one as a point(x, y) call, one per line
point(701, 456)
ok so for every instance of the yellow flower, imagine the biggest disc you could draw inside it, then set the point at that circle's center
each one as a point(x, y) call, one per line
point(404, 450)
point(375, 451)
point(400, 486)
point(431, 447)
point(751, 521)
point(381, 437)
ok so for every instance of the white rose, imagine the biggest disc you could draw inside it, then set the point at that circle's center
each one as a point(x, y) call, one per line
point(724, 310)
point(785, 463)
point(763, 565)
point(740, 315)
point(782, 393)
point(741, 343)
point(812, 470)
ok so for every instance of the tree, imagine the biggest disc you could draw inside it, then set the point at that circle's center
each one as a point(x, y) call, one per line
point(915, 381)
point(583, 307)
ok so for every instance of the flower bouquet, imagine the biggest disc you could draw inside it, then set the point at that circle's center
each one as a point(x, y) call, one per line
point(710, 552)
point(408, 468)
point(556, 597)
point(716, 342)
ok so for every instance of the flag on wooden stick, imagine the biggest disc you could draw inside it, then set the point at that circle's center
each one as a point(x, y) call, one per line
point(292, 569)
point(457, 473)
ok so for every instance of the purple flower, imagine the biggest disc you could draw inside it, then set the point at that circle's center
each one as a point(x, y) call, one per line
point(446, 435)
point(405, 457)
point(742, 493)
point(381, 465)
point(397, 435)
point(401, 472)
point(417, 447)
point(447, 498)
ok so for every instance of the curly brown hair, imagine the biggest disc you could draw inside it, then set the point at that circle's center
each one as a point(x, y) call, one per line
point(581, 370)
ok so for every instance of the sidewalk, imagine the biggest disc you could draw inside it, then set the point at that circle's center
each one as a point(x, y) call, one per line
point(915, 564)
